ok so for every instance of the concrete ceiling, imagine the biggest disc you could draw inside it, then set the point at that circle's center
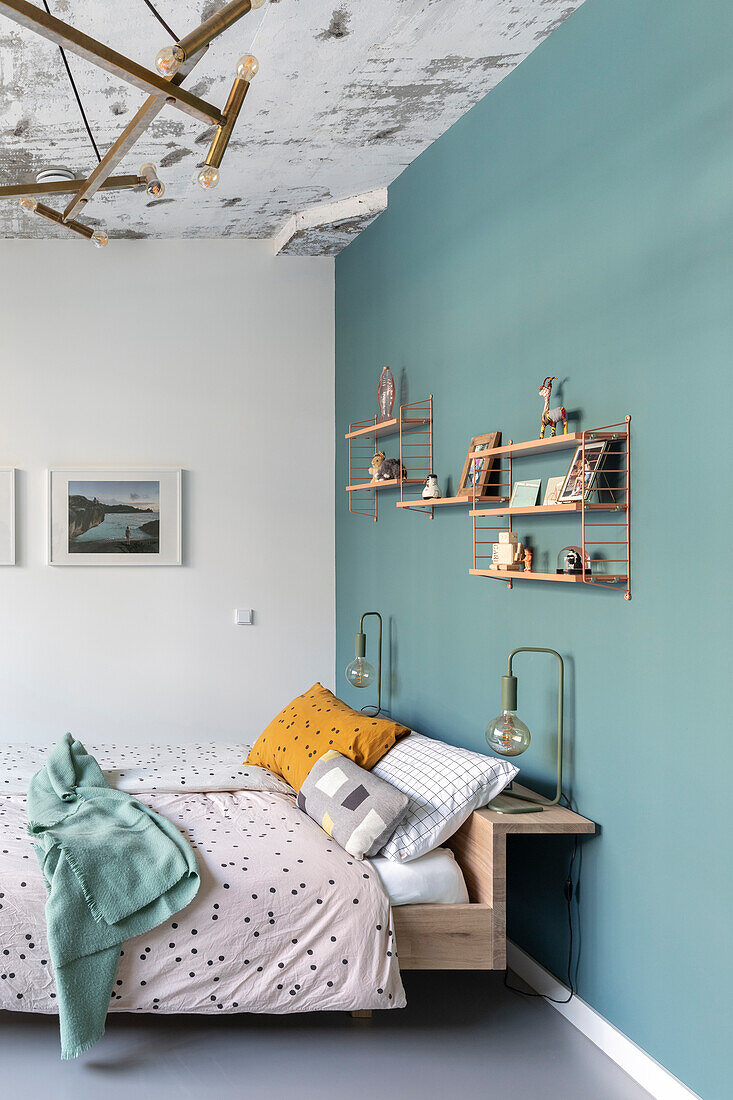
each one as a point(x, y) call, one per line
point(348, 94)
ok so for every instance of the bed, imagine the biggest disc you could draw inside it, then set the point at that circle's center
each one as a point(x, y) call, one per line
point(285, 920)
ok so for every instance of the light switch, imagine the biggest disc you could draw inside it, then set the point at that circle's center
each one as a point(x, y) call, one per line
point(244, 617)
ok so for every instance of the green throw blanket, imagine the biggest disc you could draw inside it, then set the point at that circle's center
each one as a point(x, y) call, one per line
point(113, 869)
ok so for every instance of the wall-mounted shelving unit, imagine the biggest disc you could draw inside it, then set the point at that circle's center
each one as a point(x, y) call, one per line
point(413, 429)
point(607, 543)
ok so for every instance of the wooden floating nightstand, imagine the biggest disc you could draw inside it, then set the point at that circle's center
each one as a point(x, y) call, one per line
point(473, 936)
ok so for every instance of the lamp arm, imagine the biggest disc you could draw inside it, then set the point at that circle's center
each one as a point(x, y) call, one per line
point(560, 715)
point(379, 654)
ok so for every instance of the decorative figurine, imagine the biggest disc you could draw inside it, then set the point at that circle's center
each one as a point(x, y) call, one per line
point(528, 555)
point(391, 469)
point(506, 554)
point(431, 490)
point(570, 560)
point(551, 417)
point(385, 394)
point(376, 464)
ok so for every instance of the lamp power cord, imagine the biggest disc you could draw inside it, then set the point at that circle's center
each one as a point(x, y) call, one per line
point(570, 888)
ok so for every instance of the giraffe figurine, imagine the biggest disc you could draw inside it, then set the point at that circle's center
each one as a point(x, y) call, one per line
point(551, 417)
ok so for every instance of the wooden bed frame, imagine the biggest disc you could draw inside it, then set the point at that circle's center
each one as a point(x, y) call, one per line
point(473, 936)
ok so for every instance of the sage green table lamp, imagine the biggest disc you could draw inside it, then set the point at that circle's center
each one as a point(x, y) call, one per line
point(507, 735)
point(360, 673)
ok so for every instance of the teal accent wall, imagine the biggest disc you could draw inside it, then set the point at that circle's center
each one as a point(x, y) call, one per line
point(577, 222)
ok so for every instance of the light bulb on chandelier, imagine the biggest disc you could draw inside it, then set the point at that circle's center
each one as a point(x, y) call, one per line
point(208, 176)
point(248, 67)
point(99, 238)
point(153, 185)
point(29, 205)
point(169, 60)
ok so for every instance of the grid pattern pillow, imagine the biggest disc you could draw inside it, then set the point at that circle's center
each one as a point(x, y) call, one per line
point(444, 784)
point(358, 810)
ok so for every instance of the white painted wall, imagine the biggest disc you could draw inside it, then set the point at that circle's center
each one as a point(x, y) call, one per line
point(212, 356)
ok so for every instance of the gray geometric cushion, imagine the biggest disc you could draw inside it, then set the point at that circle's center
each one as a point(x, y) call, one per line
point(352, 805)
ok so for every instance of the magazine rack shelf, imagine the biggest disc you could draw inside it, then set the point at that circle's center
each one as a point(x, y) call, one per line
point(605, 542)
point(412, 431)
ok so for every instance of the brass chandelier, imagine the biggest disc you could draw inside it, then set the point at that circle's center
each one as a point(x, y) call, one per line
point(172, 65)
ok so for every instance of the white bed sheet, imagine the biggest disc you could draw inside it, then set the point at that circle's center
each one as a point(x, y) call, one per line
point(201, 766)
point(432, 879)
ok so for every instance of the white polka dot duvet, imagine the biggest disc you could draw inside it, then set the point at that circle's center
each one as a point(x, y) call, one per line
point(285, 920)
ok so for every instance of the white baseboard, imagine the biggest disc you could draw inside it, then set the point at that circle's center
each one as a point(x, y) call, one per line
point(639, 1065)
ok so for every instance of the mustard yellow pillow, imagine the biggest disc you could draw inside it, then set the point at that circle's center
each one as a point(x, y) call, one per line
point(314, 723)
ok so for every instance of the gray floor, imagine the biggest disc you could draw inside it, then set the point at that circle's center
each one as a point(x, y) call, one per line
point(462, 1035)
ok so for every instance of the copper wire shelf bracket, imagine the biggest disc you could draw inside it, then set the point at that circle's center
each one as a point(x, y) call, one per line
point(486, 533)
point(605, 542)
point(608, 542)
point(414, 430)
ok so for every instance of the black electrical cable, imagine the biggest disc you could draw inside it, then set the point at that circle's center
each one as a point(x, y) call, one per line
point(570, 888)
point(76, 93)
point(161, 20)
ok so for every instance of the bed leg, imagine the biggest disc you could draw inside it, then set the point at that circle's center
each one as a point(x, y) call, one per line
point(362, 1013)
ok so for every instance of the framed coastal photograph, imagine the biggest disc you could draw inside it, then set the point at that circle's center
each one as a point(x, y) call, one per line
point(114, 517)
point(553, 489)
point(7, 515)
point(476, 471)
point(580, 482)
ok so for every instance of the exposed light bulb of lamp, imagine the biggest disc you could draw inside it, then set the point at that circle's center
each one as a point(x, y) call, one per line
point(169, 60)
point(99, 238)
point(153, 185)
point(248, 67)
point(507, 735)
point(208, 176)
point(360, 673)
point(29, 205)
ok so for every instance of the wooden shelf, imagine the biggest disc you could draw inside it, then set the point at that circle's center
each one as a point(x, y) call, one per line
point(566, 578)
point(385, 484)
point(551, 443)
point(535, 446)
point(388, 427)
point(548, 509)
point(439, 501)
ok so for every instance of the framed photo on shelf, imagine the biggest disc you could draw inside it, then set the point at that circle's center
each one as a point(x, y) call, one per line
point(476, 471)
point(7, 515)
point(579, 483)
point(553, 490)
point(124, 517)
point(525, 494)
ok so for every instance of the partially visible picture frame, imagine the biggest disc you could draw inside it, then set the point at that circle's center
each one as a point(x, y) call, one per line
point(106, 517)
point(553, 489)
point(476, 471)
point(7, 515)
point(579, 483)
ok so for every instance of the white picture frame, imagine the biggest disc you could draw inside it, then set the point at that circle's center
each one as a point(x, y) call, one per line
point(7, 515)
point(115, 537)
